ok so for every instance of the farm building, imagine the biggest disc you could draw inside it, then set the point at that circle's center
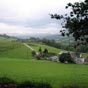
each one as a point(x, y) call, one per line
point(78, 58)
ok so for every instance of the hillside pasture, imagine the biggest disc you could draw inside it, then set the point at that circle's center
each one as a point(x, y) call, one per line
point(36, 47)
point(14, 49)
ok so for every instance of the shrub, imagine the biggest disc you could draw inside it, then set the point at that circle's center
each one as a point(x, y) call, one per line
point(69, 58)
point(45, 51)
point(66, 57)
point(40, 50)
point(62, 57)
point(33, 53)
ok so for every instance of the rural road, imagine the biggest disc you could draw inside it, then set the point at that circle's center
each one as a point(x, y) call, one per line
point(28, 46)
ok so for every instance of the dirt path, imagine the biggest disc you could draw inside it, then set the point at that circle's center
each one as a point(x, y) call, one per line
point(28, 46)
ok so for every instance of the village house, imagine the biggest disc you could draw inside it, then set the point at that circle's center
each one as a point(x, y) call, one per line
point(78, 57)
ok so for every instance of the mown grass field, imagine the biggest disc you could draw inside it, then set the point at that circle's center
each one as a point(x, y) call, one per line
point(16, 62)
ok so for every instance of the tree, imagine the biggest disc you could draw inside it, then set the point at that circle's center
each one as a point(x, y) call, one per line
point(33, 53)
point(66, 57)
point(45, 51)
point(76, 22)
point(40, 50)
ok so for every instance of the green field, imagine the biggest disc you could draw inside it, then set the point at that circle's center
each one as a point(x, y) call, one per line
point(14, 49)
point(16, 62)
point(54, 73)
point(36, 47)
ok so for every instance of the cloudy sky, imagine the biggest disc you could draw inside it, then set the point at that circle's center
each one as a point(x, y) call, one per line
point(30, 16)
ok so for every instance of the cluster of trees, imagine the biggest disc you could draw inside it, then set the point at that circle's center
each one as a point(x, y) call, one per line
point(51, 43)
point(66, 57)
point(41, 53)
point(44, 52)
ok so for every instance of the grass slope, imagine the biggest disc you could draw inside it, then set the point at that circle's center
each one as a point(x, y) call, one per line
point(13, 49)
point(54, 73)
point(36, 46)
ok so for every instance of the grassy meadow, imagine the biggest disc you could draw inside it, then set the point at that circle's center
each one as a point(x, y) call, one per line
point(51, 72)
point(14, 49)
point(36, 47)
point(16, 62)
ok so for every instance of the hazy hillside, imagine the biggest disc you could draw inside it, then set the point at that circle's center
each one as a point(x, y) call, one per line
point(38, 35)
point(65, 40)
point(56, 37)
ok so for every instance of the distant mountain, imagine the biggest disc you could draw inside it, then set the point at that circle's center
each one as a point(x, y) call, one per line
point(53, 36)
point(57, 37)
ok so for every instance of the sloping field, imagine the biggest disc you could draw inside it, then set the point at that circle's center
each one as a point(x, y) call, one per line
point(13, 49)
point(36, 46)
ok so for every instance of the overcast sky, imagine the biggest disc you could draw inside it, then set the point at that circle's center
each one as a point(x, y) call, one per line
point(30, 16)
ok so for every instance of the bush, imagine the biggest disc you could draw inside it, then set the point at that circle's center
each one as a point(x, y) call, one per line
point(45, 51)
point(66, 57)
point(33, 53)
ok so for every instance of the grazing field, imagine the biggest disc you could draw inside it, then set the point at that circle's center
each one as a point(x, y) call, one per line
point(13, 49)
point(51, 72)
point(36, 46)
